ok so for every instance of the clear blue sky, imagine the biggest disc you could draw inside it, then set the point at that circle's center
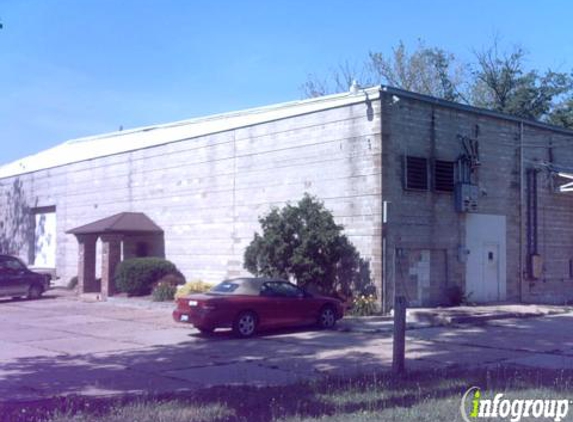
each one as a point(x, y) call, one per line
point(73, 68)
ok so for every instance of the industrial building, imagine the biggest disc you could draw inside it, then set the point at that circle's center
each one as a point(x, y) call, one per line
point(433, 194)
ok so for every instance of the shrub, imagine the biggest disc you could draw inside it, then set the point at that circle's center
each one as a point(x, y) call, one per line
point(457, 296)
point(172, 279)
point(303, 242)
point(195, 286)
point(364, 305)
point(163, 292)
point(137, 276)
point(73, 283)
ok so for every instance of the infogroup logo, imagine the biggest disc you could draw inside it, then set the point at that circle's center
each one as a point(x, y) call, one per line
point(510, 409)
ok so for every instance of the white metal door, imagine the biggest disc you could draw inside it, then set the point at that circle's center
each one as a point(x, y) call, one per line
point(45, 240)
point(490, 262)
point(486, 258)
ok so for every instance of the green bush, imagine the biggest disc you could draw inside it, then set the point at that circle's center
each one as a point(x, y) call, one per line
point(364, 306)
point(457, 296)
point(304, 242)
point(163, 292)
point(137, 276)
point(172, 279)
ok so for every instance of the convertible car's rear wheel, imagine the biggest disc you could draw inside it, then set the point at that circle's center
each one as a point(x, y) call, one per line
point(34, 292)
point(245, 324)
point(327, 318)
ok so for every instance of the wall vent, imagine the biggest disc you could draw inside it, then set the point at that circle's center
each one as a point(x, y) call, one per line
point(443, 176)
point(415, 173)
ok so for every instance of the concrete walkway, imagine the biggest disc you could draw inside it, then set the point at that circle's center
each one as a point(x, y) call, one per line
point(432, 317)
point(416, 317)
point(62, 346)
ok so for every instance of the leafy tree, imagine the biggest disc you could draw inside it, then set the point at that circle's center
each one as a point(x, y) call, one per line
point(562, 114)
point(304, 242)
point(502, 84)
point(338, 80)
point(427, 70)
point(495, 79)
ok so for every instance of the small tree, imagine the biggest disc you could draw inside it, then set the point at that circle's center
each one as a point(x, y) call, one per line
point(304, 242)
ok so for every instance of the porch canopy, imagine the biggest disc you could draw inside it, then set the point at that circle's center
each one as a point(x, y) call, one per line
point(122, 223)
point(139, 235)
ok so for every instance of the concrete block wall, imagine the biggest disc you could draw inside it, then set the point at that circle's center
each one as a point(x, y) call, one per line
point(208, 192)
point(555, 216)
point(427, 220)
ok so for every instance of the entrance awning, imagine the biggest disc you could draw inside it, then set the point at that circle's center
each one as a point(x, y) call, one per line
point(113, 232)
point(122, 223)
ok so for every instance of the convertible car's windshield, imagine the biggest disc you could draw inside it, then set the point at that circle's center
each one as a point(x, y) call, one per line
point(240, 286)
point(224, 287)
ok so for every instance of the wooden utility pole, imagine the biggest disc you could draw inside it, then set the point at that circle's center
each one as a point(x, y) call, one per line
point(399, 348)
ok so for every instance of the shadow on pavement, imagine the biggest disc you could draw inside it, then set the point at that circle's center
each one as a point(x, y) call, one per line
point(332, 395)
point(258, 373)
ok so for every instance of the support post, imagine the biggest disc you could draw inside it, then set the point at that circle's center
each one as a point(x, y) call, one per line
point(399, 349)
point(111, 256)
point(87, 263)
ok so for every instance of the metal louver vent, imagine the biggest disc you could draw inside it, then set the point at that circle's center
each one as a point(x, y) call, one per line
point(416, 173)
point(444, 176)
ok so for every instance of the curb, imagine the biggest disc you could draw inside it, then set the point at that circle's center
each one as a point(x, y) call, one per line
point(428, 320)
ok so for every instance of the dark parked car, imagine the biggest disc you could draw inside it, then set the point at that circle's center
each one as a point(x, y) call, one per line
point(249, 304)
point(16, 280)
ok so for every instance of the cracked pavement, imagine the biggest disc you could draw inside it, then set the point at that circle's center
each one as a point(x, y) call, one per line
point(61, 346)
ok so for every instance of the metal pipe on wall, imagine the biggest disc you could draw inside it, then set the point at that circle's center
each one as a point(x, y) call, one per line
point(521, 195)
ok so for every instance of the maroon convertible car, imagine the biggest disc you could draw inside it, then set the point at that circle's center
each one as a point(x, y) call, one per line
point(249, 304)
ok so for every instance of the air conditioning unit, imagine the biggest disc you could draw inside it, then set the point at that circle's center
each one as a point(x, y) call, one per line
point(466, 197)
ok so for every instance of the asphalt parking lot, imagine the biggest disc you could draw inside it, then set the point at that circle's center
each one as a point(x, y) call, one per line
point(61, 346)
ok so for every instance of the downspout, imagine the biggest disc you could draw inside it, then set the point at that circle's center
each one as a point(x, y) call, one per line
point(387, 265)
point(521, 196)
point(384, 287)
point(384, 266)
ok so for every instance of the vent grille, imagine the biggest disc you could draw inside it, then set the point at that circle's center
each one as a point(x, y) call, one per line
point(444, 176)
point(416, 173)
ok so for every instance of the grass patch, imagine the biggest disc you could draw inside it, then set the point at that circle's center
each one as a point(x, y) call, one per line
point(427, 409)
point(171, 411)
point(420, 396)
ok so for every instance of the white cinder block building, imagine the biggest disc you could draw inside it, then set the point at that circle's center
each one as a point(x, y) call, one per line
point(432, 193)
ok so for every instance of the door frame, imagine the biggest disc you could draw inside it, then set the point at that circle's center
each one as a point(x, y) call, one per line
point(482, 229)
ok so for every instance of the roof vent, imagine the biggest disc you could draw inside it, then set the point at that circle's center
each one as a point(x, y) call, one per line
point(354, 87)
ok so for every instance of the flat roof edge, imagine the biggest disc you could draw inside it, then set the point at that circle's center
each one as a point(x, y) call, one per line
point(473, 109)
point(60, 155)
